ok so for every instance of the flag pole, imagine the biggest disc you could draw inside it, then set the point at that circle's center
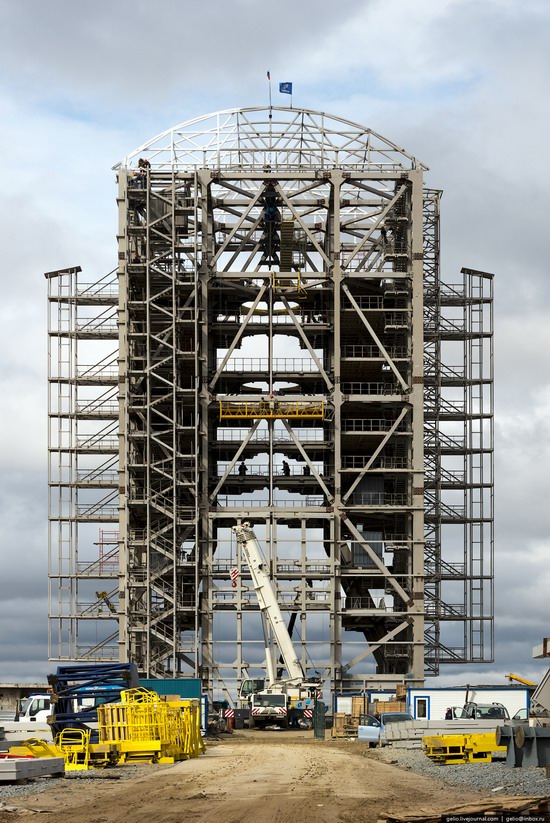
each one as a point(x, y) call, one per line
point(269, 79)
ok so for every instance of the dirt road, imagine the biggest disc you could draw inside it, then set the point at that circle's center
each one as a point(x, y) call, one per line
point(252, 777)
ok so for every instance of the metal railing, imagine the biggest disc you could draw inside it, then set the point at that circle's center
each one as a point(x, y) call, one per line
point(304, 436)
point(97, 476)
point(97, 511)
point(364, 302)
point(97, 371)
point(261, 364)
point(367, 424)
point(352, 461)
point(364, 603)
point(97, 325)
point(248, 503)
point(262, 470)
point(97, 407)
point(97, 441)
point(379, 499)
point(369, 351)
point(303, 317)
point(371, 388)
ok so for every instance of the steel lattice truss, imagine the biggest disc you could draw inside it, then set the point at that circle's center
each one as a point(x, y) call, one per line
point(272, 271)
point(283, 138)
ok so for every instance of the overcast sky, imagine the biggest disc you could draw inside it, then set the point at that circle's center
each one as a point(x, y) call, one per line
point(461, 84)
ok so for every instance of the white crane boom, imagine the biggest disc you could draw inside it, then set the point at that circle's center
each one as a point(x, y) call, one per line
point(268, 601)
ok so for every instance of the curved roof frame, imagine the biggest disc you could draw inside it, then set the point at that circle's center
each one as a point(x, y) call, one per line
point(261, 137)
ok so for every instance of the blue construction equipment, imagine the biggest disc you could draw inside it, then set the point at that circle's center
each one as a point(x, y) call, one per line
point(79, 689)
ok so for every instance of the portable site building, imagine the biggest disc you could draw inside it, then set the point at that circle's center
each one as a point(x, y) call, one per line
point(431, 703)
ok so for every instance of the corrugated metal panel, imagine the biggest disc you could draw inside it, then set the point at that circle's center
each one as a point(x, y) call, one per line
point(186, 687)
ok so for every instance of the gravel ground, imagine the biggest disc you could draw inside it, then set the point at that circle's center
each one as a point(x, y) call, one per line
point(494, 777)
point(42, 784)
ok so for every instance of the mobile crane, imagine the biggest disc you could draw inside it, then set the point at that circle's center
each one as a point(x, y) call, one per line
point(271, 704)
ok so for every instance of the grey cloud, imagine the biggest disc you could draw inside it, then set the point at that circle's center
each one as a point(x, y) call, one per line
point(182, 48)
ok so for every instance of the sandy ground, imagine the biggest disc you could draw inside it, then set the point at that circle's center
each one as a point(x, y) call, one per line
point(251, 777)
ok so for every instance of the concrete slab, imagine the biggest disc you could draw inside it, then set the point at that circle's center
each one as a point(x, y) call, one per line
point(16, 732)
point(14, 768)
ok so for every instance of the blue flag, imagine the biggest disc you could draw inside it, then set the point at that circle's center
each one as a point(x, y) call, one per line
point(285, 88)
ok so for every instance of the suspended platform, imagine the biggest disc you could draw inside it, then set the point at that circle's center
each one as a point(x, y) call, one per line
point(271, 409)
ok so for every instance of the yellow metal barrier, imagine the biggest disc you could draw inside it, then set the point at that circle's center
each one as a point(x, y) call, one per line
point(74, 746)
point(144, 727)
point(271, 409)
point(461, 748)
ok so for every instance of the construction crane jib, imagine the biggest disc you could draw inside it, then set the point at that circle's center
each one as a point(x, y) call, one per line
point(269, 606)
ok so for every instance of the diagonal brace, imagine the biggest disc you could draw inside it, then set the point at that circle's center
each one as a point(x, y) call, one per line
point(302, 451)
point(372, 648)
point(377, 562)
point(376, 339)
point(377, 451)
point(302, 334)
point(238, 453)
point(238, 336)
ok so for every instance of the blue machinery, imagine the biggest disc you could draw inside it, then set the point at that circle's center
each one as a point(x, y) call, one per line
point(79, 689)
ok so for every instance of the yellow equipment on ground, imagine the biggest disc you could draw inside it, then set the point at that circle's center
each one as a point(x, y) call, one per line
point(74, 746)
point(461, 748)
point(143, 727)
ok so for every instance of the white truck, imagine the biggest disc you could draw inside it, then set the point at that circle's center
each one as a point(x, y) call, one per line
point(35, 708)
point(279, 701)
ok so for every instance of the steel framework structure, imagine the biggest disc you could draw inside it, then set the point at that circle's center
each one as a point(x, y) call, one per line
point(281, 334)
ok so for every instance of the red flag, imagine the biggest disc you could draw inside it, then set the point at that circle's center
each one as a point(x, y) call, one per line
point(269, 75)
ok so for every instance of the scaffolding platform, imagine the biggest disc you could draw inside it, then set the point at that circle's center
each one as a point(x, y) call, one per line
point(271, 409)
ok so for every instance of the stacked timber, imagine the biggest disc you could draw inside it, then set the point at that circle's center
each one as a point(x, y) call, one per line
point(359, 705)
point(344, 725)
point(382, 706)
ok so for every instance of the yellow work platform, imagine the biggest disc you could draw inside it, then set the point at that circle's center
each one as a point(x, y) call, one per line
point(271, 409)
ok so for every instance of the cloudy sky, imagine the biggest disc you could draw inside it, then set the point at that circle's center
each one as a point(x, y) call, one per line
point(461, 84)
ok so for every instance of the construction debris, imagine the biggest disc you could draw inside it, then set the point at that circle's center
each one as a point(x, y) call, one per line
point(538, 805)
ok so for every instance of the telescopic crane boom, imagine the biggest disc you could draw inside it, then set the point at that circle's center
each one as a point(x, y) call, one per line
point(268, 605)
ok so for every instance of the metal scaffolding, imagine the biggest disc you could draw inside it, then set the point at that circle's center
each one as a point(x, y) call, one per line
point(282, 325)
point(458, 341)
point(83, 411)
